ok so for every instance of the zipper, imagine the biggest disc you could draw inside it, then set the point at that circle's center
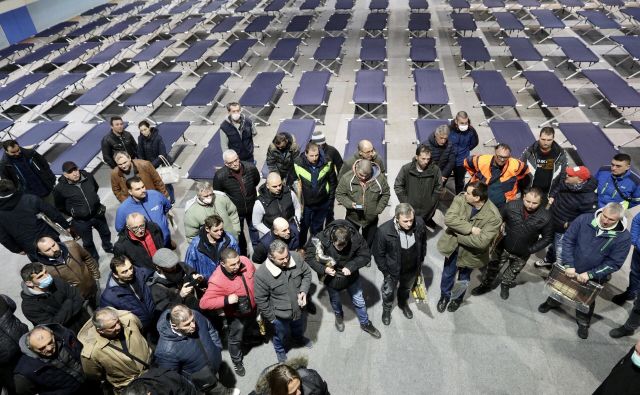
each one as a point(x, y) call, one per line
point(85, 197)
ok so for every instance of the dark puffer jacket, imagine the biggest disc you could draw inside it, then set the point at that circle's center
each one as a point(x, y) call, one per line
point(420, 189)
point(134, 250)
point(79, 200)
point(11, 329)
point(354, 256)
point(38, 164)
point(161, 381)
point(261, 250)
point(150, 148)
point(243, 199)
point(312, 382)
point(386, 248)
point(112, 143)
point(281, 162)
point(522, 236)
point(569, 203)
point(198, 356)
point(444, 156)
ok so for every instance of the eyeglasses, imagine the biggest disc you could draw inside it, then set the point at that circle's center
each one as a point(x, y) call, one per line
point(136, 228)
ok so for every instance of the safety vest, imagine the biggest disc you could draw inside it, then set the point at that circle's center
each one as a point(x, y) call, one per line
point(479, 166)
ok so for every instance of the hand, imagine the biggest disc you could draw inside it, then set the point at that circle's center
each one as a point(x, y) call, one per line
point(353, 205)
point(197, 277)
point(550, 201)
point(583, 277)
point(566, 225)
point(444, 179)
point(346, 271)
point(186, 290)
point(475, 231)
point(570, 272)
point(302, 299)
point(233, 298)
point(502, 227)
point(330, 271)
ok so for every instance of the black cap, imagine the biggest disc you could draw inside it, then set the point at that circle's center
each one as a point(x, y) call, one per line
point(68, 167)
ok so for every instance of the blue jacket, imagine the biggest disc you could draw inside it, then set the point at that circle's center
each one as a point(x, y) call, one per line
point(185, 355)
point(629, 185)
point(635, 231)
point(588, 249)
point(122, 297)
point(463, 143)
point(154, 208)
point(204, 259)
point(150, 148)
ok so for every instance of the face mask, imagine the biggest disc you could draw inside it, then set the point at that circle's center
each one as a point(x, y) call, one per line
point(207, 201)
point(46, 282)
point(635, 358)
point(574, 187)
point(463, 128)
point(235, 116)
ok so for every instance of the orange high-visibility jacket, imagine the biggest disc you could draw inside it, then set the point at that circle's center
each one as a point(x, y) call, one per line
point(479, 167)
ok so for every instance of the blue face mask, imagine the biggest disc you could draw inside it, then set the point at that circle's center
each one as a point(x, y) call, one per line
point(46, 282)
point(635, 358)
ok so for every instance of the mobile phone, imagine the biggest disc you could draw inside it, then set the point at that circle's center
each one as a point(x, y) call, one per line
point(358, 207)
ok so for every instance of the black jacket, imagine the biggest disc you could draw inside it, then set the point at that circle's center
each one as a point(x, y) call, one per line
point(354, 256)
point(243, 199)
point(134, 250)
point(386, 246)
point(522, 237)
point(60, 304)
point(61, 375)
point(78, 200)
point(624, 378)
point(326, 182)
point(276, 206)
point(311, 381)
point(569, 204)
point(166, 293)
point(19, 226)
point(261, 250)
point(281, 162)
point(150, 148)
point(37, 162)
point(161, 381)
point(240, 139)
point(443, 156)
point(11, 329)
point(420, 189)
point(332, 154)
point(111, 143)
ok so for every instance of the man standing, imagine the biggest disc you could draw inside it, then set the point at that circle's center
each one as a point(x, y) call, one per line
point(593, 248)
point(527, 229)
point(275, 200)
point(281, 153)
point(173, 282)
point(633, 290)
point(501, 173)
point(419, 184)
point(473, 223)
point(114, 348)
point(463, 138)
point(399, 250)
point(151, 204)
point(279, 230)
point(206, 203)
point(11, 329)
point(364, 192)
point(281, 288)
point(337, 254)
point(127, 289)
point(116, 140)
point(231, 289)
point(317, 182)
point(28, 170)
point(189, 344)
point(236, 133)
point(332, 154)
point(443, 153)
point(546, 161)
point(365, 151)
point(203, 254)
point(239, 180)
point(616, 183)
point(128, 169)
point(50, 300)
point(76, 195)
point(139, 241)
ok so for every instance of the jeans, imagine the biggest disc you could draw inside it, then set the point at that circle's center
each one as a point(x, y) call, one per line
point(554, 251)
point(253, 235)
point(234, 341)
point(330, 216)
point(449, 275)
point(514, 267)
point(84, 229)
point(634, 274)
point(403, 284)
point(355, 291)
point(583, 319)
point(368, 231)
point(283, 328)
point(312, 218)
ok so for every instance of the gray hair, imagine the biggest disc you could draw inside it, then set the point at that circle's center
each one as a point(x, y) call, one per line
point(404, 209)
point(226, 154)
point(364, 167)
point(36, 329)
point(104, 314)
point(277, 246)
point(202, 186)
point(179, 314)
point(442, 131)
point(615, 208)
point(121, 153)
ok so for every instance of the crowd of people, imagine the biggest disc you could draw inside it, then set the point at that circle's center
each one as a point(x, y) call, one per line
point(160, 321)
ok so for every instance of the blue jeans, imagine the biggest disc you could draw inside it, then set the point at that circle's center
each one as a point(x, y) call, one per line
point(449, 275)
point(634, 273)
point(285, 327)
point(313, 218)
point(355, 291)
point(554, 251)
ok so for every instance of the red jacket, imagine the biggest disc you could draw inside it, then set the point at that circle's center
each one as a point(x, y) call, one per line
point(220, 286)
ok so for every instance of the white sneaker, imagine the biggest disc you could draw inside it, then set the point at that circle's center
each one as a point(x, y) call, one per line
point(541, 263)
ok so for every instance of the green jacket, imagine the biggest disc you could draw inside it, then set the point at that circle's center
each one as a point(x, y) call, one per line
point(474, 250)
point(195, 214)
point(373, 197)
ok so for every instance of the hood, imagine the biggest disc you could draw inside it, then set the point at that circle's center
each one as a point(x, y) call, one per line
point(291, 145)
point(621, 227)
point(338, 222)
point(23, 341)
point(9, 202)
point(262, 385)
point(165, 331)
point(374, 174)
point(47, 262)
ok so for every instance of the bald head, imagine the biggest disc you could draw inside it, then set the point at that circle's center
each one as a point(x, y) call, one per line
point(281, 229)
point(364, 169)
point(366, 150)
point(42, 341)
point(274, 183)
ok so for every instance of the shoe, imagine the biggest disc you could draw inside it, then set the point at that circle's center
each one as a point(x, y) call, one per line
point(621, 332)
point(406, 311)
point(622, 298)
point(370, 329)
point(282, 357)
point(311, 308)
point(545, 307)
point(542, 263)
point(339, 323)
point(583, 331)
point(232, 391)
point(454, 305)
point(481, 290)
point(442, 304)
point(108, 250)
point(302, 342)
point(239, 369)
point(504, 292)
point(386, 316)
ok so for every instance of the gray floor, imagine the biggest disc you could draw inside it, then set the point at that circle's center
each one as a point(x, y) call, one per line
point(489, 346)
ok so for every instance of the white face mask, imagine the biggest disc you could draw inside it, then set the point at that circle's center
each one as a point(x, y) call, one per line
point(235, 116)
point(463, 128)
point(207, 201)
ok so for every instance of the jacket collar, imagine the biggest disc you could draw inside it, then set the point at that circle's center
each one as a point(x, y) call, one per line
point(275, 270)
